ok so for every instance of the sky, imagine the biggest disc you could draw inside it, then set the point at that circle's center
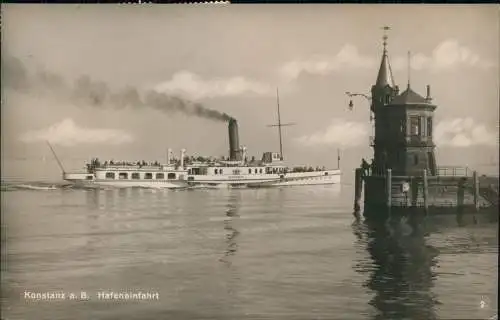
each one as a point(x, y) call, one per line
point(126, 82)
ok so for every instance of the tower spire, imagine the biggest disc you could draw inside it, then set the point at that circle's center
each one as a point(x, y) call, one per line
point(384, 76)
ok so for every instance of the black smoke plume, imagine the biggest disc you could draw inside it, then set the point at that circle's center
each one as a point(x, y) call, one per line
point(87, 92)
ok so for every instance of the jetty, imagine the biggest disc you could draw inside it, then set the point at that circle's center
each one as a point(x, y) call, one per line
point(403, 176)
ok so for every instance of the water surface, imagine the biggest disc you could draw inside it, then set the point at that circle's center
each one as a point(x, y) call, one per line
point(284, 253)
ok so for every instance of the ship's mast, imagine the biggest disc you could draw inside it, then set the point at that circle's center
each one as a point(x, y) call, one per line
point(279, 125)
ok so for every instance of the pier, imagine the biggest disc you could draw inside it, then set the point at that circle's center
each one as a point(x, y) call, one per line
point(403, 176)
point(453, 190)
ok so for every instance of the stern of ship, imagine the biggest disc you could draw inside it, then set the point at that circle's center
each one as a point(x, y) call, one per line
point(79, 178)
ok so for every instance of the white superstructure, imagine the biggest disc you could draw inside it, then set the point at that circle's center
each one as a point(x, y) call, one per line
point(270, 171)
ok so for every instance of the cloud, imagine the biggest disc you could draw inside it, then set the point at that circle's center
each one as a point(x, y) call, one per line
point(190, 84)
point(67, 133)
point(463, 132)
point(340, 133)
point(194, 86)
point(347, 57)
point(448, 54)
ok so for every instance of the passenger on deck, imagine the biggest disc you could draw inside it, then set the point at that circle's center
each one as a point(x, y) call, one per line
point(365, 166)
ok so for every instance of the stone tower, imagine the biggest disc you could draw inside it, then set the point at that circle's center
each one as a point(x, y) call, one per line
point(403, 125)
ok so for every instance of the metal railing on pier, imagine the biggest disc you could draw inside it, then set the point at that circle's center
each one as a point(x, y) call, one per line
point(454, 172)
point(440, 172)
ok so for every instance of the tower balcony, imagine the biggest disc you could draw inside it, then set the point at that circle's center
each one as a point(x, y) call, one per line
point(401, 141)
point(418, 140)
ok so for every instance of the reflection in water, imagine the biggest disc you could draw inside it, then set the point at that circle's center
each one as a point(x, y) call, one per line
point(233, 207)
point(402, 268)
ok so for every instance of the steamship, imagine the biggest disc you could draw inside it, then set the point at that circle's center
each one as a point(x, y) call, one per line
point(235, 171)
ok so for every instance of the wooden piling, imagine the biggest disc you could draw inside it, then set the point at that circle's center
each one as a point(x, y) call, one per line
point(426, 191)
point(358, 187)
point(476, 189)
point(414, 191)
point(461, 194)
point(388, 186)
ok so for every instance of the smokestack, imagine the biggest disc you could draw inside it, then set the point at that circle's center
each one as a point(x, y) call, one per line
point(234, 141)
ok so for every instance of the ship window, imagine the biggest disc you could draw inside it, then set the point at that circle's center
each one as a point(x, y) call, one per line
point(148, 175)
point(110, 175)
point(171, 175)
point(136, 176)
point(89, 177)
point(216, 171)
point(160, 176)
point(123, 176)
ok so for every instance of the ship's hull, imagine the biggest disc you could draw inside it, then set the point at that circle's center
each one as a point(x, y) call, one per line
point(220, 181)
point(269, 180)
point(86, 180)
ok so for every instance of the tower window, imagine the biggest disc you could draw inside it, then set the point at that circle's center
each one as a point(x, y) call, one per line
point(402, 126)
point(387, 99)
point(429, 127)
point(414, 125)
